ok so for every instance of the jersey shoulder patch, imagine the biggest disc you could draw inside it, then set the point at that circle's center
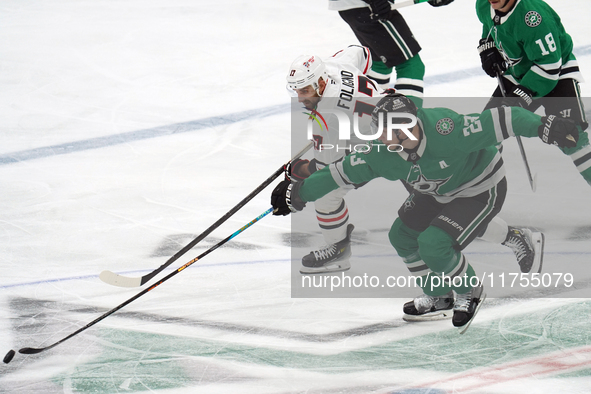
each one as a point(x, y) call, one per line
point(533, 19)
point(445, 126)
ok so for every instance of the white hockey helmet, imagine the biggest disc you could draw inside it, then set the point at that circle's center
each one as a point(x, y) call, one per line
point(306, 70)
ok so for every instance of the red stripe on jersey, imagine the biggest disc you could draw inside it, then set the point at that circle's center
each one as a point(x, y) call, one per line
point(367, 55)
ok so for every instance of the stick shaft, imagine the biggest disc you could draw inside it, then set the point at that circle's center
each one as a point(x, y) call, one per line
point(519, 142)
point(29, 350)
point(120, 280)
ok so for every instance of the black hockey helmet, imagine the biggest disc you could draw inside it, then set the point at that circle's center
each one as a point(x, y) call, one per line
point(392, 102)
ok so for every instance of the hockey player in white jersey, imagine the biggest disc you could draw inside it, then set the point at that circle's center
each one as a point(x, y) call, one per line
point(335, 83)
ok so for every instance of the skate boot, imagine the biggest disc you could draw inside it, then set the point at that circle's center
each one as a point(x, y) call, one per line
point(426, 307)
point(528, 247)
point(466, 307)
point(331, 258)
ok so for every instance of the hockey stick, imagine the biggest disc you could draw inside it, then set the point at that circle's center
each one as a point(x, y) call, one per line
point(532, 180)
point(31, 350)
point(405, 3)
point(125, 281)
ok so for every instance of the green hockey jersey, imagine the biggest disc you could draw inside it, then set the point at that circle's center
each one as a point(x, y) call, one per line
point(456, 156)
point(534, 43)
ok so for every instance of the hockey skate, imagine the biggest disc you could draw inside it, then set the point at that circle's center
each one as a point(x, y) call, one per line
point(528, 247)
point(425, 308)
point(331, 258)
point(467, 306)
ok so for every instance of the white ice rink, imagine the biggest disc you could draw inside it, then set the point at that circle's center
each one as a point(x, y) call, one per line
point(128, 127)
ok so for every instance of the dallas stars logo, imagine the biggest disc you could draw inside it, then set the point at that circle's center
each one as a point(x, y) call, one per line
point(510, 61)
point(418, 181)
point(430, 186)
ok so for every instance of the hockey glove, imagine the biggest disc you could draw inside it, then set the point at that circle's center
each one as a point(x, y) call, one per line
point(285, 198)
point(518, 96)
point(300, 169)
point(491, 58)
point(558, 131)
point(380, 9)
point(439, 3)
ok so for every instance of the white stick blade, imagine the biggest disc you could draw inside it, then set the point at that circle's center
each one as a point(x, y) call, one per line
point(114, 279)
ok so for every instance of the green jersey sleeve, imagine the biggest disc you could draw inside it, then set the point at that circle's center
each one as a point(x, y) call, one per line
point(492, 126)
point(353, 169)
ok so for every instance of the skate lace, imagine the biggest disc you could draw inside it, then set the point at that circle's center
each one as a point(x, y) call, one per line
point(518, 247)
point(326, 252)
point(463, 302)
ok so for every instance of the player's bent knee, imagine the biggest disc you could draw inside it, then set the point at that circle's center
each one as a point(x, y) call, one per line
point(436, 248)
point(402, 238)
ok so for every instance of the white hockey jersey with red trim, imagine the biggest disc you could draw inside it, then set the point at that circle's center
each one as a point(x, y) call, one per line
point(347, 91)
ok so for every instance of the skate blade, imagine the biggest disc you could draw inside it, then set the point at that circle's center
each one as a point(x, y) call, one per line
point(337, 266)
point(538, 241)
point(431, 316)
point(465, 327)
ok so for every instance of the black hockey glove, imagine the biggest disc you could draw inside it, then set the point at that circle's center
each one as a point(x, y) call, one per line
point(380, 9)
point(285, 198)
point(491, 58)
point(518, 96)
point(439, 3)
point(558, 131)
point(300, 169)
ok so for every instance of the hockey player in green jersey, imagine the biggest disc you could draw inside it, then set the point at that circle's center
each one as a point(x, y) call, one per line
point(459, 185)
point(526, 43)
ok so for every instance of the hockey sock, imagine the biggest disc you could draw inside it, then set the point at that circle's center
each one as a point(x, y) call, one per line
point(380, 73)
point(409, 78)
point(496, 231)
point(334, 224)
point(451, 269)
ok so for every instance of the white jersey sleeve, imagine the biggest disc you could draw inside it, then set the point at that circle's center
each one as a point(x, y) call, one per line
point(356, 56)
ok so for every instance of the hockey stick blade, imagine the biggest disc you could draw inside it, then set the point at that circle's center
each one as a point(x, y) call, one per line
point(119, 280)
point(32, 350)
point(114, 279)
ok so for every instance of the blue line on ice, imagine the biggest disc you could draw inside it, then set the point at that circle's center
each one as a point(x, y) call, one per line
point(139, 272)
point(184, 127)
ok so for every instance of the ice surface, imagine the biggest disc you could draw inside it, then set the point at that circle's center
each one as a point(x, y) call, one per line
point(129, 127)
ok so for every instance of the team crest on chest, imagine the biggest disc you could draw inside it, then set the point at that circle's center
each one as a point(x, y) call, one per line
point(444, 126)
point(419, 182)
point(533, 19)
